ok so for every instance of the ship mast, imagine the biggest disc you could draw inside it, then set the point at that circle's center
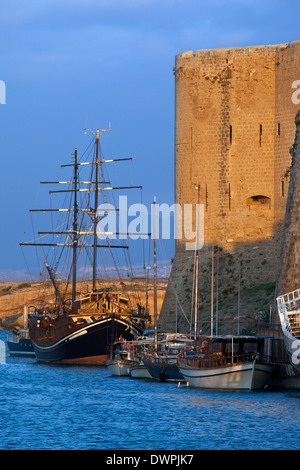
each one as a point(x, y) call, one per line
point(75, 243)
point(75, 232)
point(97, 133)
point(95, 210)
point(155, 280)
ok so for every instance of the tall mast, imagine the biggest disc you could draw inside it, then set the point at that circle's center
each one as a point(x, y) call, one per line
point(196, 274)
point(95, 210)
point(212, 292)
point(97, 133)
point(155, 279)
point(75, 227)
point(196, 303)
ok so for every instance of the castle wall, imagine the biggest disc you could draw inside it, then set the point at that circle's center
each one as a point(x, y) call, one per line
point(234, 126)
point(289, 275)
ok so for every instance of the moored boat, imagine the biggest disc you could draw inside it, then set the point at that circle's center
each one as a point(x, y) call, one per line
point(126, 358)
point(139, 371)
point(228, 363)
point(122, 359)
point(19, 343)
point(162, 363)
point(164, 369)
point(140, 348)
point(289, 315)
point(18, 340)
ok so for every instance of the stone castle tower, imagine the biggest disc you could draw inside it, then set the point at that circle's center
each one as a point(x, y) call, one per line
point(234, 129)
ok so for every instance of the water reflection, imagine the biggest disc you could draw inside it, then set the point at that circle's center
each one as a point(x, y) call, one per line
point(247, 406)
point(83, 408)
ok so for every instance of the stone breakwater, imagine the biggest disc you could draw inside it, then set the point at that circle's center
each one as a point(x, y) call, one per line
point(14, 295)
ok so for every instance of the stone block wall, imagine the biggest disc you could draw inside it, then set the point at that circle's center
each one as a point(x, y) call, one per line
point(289, 275)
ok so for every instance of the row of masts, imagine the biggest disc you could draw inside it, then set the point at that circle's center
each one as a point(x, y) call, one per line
point(75, 233)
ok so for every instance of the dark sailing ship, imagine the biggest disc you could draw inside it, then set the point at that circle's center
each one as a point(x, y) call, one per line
point(82, 329)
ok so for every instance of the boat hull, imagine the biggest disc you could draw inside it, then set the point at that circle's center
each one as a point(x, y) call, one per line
point(89, 345)
point(119, 367)
point(164, 371)
point(20, 347)
point(245, 376)
point(140, 371)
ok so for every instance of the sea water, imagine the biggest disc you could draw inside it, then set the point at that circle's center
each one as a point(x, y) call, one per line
point(84, 408)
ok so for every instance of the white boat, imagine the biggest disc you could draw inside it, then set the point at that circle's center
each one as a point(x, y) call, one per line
point(118, 366)
point(249, 376)
point(139, 371)
point(122, 359)
point(289, 315)
point(228, 363)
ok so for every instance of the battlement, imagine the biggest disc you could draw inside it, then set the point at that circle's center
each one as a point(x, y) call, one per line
point(245, 51)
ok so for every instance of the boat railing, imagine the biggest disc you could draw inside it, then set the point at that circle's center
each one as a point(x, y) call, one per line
point(289, 312)
point(158, 359)
point(16, 335)
point(220, 360)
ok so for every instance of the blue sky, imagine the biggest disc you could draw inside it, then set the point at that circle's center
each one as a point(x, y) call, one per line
point(71, 63)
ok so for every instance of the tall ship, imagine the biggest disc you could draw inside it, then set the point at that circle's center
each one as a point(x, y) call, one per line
point(289, 315)
point(76, 327)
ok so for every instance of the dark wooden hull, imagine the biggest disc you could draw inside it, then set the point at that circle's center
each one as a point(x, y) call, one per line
point(89, 344)
point(164, 371)
point(20, 347)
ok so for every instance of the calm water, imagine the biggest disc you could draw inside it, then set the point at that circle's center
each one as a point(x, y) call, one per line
point(82, 408)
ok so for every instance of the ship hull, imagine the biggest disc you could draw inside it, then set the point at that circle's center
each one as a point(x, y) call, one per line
point(23, 347)
point(249, 376)
point(89, 345)
point(119, 367)
point(164, 371)
point(19, 344)
point(140, 371)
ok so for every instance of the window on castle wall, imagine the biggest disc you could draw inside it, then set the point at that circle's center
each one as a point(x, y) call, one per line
point(258, 200)
point(260, 133)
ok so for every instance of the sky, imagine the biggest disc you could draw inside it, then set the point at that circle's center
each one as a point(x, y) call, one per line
point(71, 64)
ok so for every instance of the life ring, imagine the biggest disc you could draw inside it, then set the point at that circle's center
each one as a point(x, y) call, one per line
point(128, 347)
